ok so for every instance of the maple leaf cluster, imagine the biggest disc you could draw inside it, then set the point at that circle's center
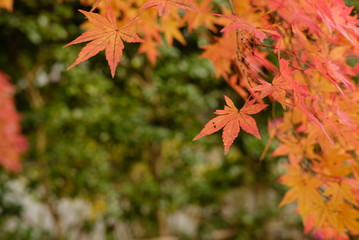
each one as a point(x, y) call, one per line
point(12, 143)
point(310, 79)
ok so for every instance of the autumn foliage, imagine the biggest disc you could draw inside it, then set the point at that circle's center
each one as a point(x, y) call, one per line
point(312, 82)
point(299, 55)
point(12, 142)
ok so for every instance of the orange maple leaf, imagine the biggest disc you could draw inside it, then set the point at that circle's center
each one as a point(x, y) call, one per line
point(231, 120)
point(276, 90)
point(203, 17)
point(223, 59)
point(7, 4)
point(149, 47)
point(97, 3)
point(107, 36)
point(164, 6)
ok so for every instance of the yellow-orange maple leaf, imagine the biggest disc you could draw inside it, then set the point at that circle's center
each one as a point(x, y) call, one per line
point(106, 36)
point(170, 28)
point(7, 4)
point(346, 219)
point(340, 192)
point(323, 214)
point(304, 190)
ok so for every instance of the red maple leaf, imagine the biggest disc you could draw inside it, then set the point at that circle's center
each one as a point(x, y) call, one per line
point(164, 6)
point(231, 120)
point(107, 36)
point(12, 142)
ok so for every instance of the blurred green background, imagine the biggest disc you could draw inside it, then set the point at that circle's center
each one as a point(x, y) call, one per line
point(114, 158)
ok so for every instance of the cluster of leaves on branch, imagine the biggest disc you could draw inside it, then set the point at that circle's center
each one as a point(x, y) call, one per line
point(301, 54)
point(309, 43)
point(12, 143)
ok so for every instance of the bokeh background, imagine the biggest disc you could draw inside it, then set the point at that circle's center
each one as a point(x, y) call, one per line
point(114, 158)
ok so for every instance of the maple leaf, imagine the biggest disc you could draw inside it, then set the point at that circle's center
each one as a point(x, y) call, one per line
point(332, 164)
point(170, 29)
point(7, 4)
point(12, 142)
point(322, 214)
point(149, 47)
point(231, 120)
point(221, 59)
point(164, 6)
point(346, 219)
point(98, 3)
point(107, 36)
point(323, 11)
point(304, 189)
point(277, 89)
point(340, 191)
point(203, 17)
point(243, 24)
